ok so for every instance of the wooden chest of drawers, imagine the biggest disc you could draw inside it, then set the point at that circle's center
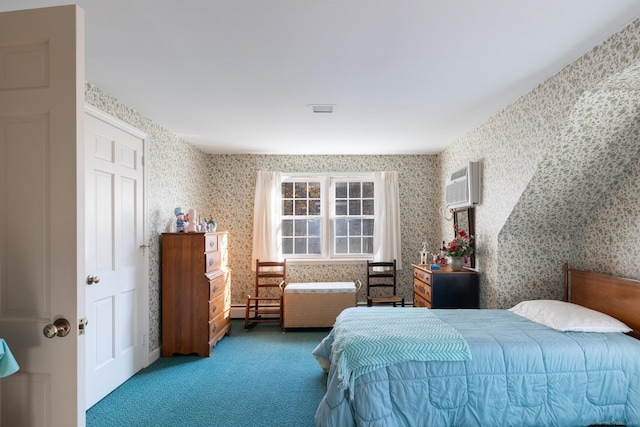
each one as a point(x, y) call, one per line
point(444, 288)
point(196, 298)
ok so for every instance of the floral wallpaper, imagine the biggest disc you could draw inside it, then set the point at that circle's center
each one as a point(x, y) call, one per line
point(177, 176)
point(232, 181)
point(561, 179)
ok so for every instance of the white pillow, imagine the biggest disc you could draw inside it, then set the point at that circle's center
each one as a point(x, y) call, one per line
point(565, 316)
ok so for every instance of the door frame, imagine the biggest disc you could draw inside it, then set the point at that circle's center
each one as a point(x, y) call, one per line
point(143, 274)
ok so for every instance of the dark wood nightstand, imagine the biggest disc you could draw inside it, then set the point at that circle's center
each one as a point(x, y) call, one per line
point(445, 288)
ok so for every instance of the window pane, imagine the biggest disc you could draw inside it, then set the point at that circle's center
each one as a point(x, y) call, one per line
point(287, 246)
point(287, 190)
point(341, 227)
point(367, 207)
point(314, 207)
point(355, 246)
point(301, 190)
point(300, 245)
point(355, 227)
point(354, 207)
point(287, 207)
point(301, 207)
point(341, 245)
point(367, 190)
point(367, 245)
point(314, 190)
point(355, 190)
point(367, 227)
point(315, 227)
point(287, 227)
point(300, 228)
point(315, 246)
point(341, 190)
point(341, 207)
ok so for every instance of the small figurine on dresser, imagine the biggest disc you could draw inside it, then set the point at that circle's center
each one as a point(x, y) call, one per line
point(179, 219)
point(212, 225)
point(424, 254)
point(192, 225)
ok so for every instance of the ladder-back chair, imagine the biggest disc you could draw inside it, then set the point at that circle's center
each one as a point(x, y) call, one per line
point(382, 275)
point(265, 304)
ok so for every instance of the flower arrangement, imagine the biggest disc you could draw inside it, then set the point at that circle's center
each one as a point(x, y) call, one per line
point(460, 246)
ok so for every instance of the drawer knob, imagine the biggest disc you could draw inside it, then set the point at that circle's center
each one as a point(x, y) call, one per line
point(214, 308)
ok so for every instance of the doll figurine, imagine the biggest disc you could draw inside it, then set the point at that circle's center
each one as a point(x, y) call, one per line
point(192, 225)
point(179, 219)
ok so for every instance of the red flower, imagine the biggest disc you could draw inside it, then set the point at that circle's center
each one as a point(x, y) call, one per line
point(461, 244)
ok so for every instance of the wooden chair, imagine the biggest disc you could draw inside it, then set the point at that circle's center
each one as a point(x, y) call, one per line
point(382, 275)
point(265, 305)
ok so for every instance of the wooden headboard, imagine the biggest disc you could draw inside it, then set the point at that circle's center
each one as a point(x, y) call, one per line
point(615, 296)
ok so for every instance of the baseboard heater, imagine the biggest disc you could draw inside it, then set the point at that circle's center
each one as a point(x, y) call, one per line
point(238, 310)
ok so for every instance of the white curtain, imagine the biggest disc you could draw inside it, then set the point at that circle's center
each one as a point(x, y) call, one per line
point(386, 233)
point(267, 219)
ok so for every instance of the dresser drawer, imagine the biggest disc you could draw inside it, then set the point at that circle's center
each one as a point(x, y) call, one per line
point(218, 324)
point(422, 275)
point(210, 242)
point(212, 261)
point(422, 289)
point(216, 286)
point(224, 257)
point(216, 306)
point(418, 301)
point(222, 241)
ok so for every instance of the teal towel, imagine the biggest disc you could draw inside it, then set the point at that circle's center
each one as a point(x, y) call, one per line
point(366, 339)
point(8, 364)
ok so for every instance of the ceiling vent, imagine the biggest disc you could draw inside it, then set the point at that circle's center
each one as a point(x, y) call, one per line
point(322, 108)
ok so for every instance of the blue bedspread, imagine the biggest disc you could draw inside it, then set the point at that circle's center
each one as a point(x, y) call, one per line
point(362, 343)
point(521, 374)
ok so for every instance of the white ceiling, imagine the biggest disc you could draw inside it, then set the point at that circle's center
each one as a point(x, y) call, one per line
point(405, 76)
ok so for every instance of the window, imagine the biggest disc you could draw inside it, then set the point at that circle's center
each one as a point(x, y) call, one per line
point(327, 216)
point(302, 218)
point(353, 217)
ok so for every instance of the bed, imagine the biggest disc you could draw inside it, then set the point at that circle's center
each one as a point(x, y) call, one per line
point(518, 372)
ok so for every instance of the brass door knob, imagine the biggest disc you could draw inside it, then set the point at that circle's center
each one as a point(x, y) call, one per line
point(92, 279)
point(60, 327)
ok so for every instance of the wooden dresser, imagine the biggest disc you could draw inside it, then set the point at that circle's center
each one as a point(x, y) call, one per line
point(196, 294)
point(444, 288)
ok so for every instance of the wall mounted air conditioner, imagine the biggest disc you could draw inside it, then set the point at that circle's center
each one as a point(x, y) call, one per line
point(463, 186)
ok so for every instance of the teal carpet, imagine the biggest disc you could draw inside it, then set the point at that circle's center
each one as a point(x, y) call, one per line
point(262, 377)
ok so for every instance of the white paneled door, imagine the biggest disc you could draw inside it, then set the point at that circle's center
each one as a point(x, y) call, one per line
point(42, 215)
point(115, 254)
